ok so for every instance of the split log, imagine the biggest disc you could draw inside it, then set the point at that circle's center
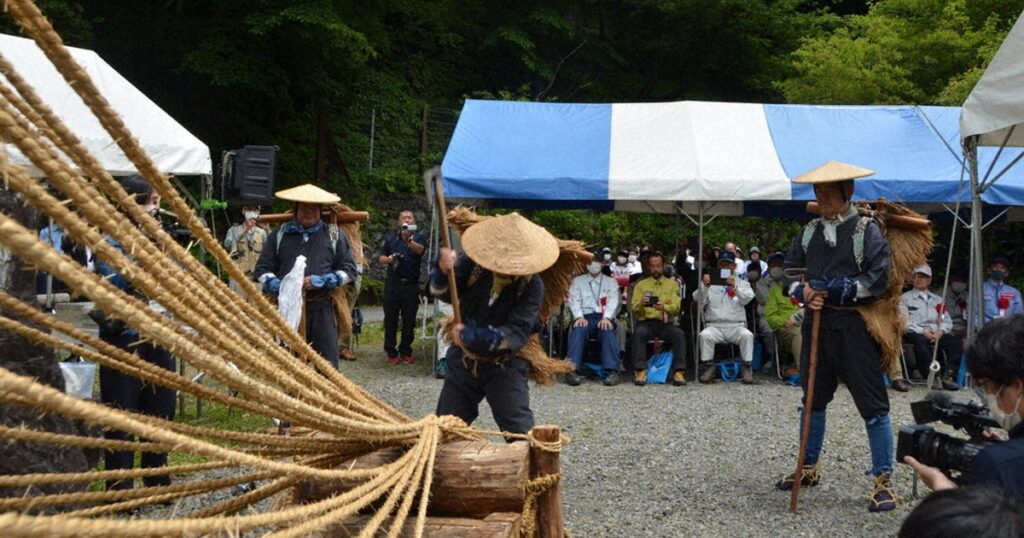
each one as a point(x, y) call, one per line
point(499, 525)
point(471, 478)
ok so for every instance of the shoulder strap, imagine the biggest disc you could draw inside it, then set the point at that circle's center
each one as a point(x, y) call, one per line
point(809, 228)
point(858, 240)
point(332, 230)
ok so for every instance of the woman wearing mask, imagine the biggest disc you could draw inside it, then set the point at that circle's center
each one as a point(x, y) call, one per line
point(996, 361)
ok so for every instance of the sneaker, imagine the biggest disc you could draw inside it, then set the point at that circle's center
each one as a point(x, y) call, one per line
point(809, 477)
point(679, 378)
point(707, 373)
point(882, 498)
point(611, 379)
point(393, 359)
point(640, 378)
point(949, 384)
point(573, 379)
point(347, 355)
point(747, 376)
point(408, 359)
point(900, 385)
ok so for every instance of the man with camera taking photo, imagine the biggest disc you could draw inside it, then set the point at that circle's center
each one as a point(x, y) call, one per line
point(995, 360)
point(655, 304)
point(402, 254)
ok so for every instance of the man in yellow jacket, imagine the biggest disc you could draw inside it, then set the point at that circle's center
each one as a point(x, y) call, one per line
point(655, 304)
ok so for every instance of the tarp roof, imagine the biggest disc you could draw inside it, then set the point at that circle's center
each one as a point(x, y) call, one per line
point(996, 104)
point(171, 146)
point(641, 156)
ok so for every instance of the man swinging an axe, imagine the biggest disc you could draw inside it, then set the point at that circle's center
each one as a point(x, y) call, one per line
point(844, 258)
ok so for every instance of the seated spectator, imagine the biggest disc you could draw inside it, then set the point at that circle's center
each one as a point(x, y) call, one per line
point(655, 304)
point(973, 511)
point(956, 301)
point(755, 263)
point(606, 258)
point(755, 310)
point(594, 302)
point(995, 359)
point(1001, 299)
point(780, 312)
point(928, 325)
point(622, 269)
point(725, 318)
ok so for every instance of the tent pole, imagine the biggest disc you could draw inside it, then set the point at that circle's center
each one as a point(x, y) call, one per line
point(976, 316)
point(699, 262)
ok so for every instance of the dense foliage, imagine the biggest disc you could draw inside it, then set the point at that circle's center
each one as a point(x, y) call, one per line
point(262, 71)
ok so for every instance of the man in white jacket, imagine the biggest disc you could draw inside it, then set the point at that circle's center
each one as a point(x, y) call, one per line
point(594, 302)
point(725, 317)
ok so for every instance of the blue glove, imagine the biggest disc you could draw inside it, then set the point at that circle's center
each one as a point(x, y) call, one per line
point(272, 285)
point(815, 284)
point(481, 340)
point(842, 291)
point(316, 281)
point(331, 281)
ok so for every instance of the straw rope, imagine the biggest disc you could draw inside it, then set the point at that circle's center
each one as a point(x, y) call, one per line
point(242, 346)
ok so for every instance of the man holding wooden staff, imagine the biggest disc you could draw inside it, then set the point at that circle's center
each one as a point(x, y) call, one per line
point(844, 258)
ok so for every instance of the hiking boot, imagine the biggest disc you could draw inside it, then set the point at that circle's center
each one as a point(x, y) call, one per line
point(882, 498)
point(707, 373)
point(900, 385)
point(809, 477)
point(393, 359)
point(408, 359)
point(949, 384)
point(640, 378)
point(679, 378)
point(747, 376)
point(611, 379)
point(573, 379)
point(346, 355)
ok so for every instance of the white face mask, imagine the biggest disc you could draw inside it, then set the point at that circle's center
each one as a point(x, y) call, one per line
point(776, 273)
point(594, 268)
point(1006, 420)
point(621, 260)
point(632, 258)
point(251, 215)
point(958, 287)
point(607, 257)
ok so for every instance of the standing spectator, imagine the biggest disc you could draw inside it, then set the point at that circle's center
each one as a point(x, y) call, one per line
point(726, 318)
point(244, 242)
point(1001, 299)
point(780, 312)
point(594, 303)
point(124, 391)
point(655, 304)
point(928, 326)
point(329, 264)
point(731, 247)
point(956, 301)
point(755, 263)
point(402, 254)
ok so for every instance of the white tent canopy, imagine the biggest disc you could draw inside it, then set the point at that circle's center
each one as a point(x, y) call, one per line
point(996, 105)
point(171, 146)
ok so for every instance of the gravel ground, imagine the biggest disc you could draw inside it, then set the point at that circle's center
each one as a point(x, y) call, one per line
point(659, 460)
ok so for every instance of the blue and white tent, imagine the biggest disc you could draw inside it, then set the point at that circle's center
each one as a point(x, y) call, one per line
point(657, 156)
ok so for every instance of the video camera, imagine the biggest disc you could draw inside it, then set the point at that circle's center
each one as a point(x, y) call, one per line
point(936, 449)
point(174, 228)
point(409, 227)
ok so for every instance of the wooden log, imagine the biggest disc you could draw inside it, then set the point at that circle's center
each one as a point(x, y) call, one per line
point(549, 503)
point(344, 217)
point(895, 221)
point(498, 525)
point(471, 478)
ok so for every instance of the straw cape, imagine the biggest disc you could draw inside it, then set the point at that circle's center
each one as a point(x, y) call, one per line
point(510, 245)
point(309, 194)
point(570, 258)
point(832, 172)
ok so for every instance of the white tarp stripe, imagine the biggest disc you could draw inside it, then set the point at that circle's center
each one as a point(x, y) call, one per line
point(693, 151)
point(997, 103)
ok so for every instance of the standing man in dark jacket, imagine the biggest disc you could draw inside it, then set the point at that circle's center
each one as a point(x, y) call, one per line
point(328, 263)
point(402, 254)
point(500, 295)
point(846, 262)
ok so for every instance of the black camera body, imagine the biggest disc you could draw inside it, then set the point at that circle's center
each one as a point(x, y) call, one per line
point(940, 450)
point(653, 300)
point(397, 256)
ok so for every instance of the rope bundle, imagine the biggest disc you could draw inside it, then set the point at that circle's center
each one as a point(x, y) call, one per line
point(236, 343)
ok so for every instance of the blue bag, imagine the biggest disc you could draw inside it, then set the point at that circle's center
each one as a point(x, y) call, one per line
point(657, 367)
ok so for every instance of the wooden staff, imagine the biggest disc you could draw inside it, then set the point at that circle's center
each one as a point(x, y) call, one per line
point(805, 429)
point(446, 241)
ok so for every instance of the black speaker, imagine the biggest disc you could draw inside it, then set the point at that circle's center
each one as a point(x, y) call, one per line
point(251, 171)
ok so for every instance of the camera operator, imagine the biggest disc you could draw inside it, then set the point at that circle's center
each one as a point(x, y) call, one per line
point(402, 254)
point(996, 361)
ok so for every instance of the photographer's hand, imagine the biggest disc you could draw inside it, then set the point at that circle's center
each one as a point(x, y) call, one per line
point(932, 477)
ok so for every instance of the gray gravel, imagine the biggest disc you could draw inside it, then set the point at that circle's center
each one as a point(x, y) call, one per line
point(659, 460)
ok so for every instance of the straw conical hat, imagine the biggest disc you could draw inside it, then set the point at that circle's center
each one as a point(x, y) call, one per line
point(831, 172)
point(510, 245)
point(309, 194)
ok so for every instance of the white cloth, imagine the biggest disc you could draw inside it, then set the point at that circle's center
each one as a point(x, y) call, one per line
point(588, 295)
point(732, 333)
point(289, 298)
point(719, 307)
point(920, 309)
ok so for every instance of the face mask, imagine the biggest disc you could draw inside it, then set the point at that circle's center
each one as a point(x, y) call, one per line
point(1006, 420)
point(958, 287)
point(251, 215)
point(607, 257)
point(632, 258)
point(998, 275)
point(621, 260)
point(594, 268)
point(776, 273)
